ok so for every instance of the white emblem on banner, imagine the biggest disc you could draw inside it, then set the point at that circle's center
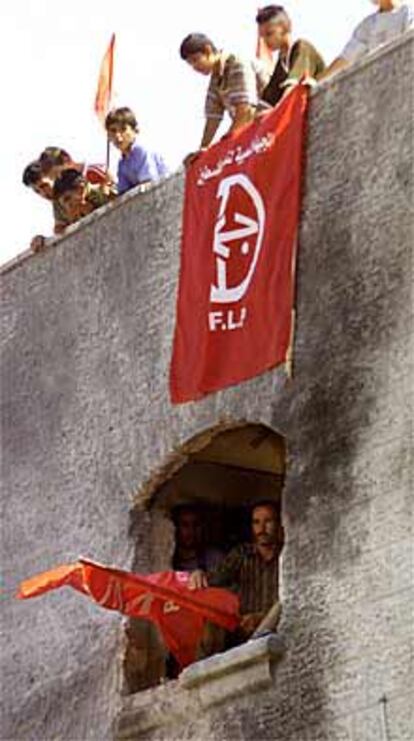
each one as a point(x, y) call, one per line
point(222, 293)
point(247, 239)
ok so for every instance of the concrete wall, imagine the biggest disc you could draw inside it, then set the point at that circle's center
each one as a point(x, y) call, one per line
point(86, 342)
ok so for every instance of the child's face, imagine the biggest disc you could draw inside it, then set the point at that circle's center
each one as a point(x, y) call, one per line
point(122, 136)
point(43, 188)
point(54, 172)
point(274, 33)
point(202, 61)
point(72, 202)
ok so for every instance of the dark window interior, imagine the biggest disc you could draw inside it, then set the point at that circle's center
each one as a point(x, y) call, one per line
point(222, 481)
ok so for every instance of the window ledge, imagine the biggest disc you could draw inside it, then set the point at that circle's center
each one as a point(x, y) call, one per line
point(245, 669)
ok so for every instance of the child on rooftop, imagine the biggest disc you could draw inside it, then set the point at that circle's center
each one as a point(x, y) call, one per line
point(297, 58)
point(54, 160)
point(138, 164)
point(41, 184)
point(41, 175)
point(235, 85)
point(392, 18)
point(77, 197)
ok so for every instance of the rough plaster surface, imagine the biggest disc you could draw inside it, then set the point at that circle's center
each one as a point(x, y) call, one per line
point(86, 420)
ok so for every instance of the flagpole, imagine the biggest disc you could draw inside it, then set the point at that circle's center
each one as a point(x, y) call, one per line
point(111, 79)
point(108, 153)
point(103, 96)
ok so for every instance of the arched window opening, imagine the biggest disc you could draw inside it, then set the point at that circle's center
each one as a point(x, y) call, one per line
point(200, 512)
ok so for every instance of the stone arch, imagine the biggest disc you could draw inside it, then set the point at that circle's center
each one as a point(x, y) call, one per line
point(223, 469)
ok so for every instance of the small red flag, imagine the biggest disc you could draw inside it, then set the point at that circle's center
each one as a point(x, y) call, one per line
point(162, 598)
point(241, 218)
point(104, 91)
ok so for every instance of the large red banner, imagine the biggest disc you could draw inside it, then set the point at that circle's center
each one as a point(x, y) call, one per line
point(241, 214)
point(162, 598)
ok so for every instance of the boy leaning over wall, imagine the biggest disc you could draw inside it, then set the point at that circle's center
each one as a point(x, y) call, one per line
point(235, 85)
point(392, 18)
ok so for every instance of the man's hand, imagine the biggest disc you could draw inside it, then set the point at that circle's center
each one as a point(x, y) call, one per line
point(337, 65)
point(193, 156)
point(249, 623)
point(38, 243)
point(198, 580)
point(243, 114)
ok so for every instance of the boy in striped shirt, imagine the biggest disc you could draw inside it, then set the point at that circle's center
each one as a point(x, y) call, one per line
point(235, 85)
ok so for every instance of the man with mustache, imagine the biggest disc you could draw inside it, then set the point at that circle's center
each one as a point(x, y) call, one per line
point(251, 569)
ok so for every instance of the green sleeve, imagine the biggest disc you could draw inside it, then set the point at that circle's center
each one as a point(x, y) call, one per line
point(98, 197)
point(59, 214)
point(304, 60)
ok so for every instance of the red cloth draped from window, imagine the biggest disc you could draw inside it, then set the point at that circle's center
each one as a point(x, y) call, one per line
point(104, 90)
point(241, 215)
point(163, 598)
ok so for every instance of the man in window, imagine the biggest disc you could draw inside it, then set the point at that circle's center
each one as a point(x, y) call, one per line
point(392, 18)
point(251, 569)
point(297, 59)
point(235, 85)
point(191, 553)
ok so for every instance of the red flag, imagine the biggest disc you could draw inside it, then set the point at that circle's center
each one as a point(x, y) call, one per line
point(104, 91)
point(239, 240)
point(163, 598)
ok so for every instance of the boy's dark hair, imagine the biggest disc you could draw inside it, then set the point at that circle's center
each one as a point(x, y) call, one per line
point(121, 117)
point(32, 173)
point(268, 13)
point(181, 509)
point(194, 44)
point(52, 156)
point(271, 503)
point(67, 181)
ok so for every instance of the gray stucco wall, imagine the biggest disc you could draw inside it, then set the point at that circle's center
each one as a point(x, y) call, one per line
point(86, 419)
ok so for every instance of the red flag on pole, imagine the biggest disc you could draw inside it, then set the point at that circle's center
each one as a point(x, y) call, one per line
point(241, 215)
point(104, 91)
point(162, 598)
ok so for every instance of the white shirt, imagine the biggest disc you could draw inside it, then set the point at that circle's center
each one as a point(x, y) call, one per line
point(376, 29)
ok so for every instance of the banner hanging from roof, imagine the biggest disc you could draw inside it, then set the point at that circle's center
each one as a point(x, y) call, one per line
point(241, 216)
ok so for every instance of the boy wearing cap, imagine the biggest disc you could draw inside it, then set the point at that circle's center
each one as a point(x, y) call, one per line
point(297, 59)
point(138, 164)
point(392, 18)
